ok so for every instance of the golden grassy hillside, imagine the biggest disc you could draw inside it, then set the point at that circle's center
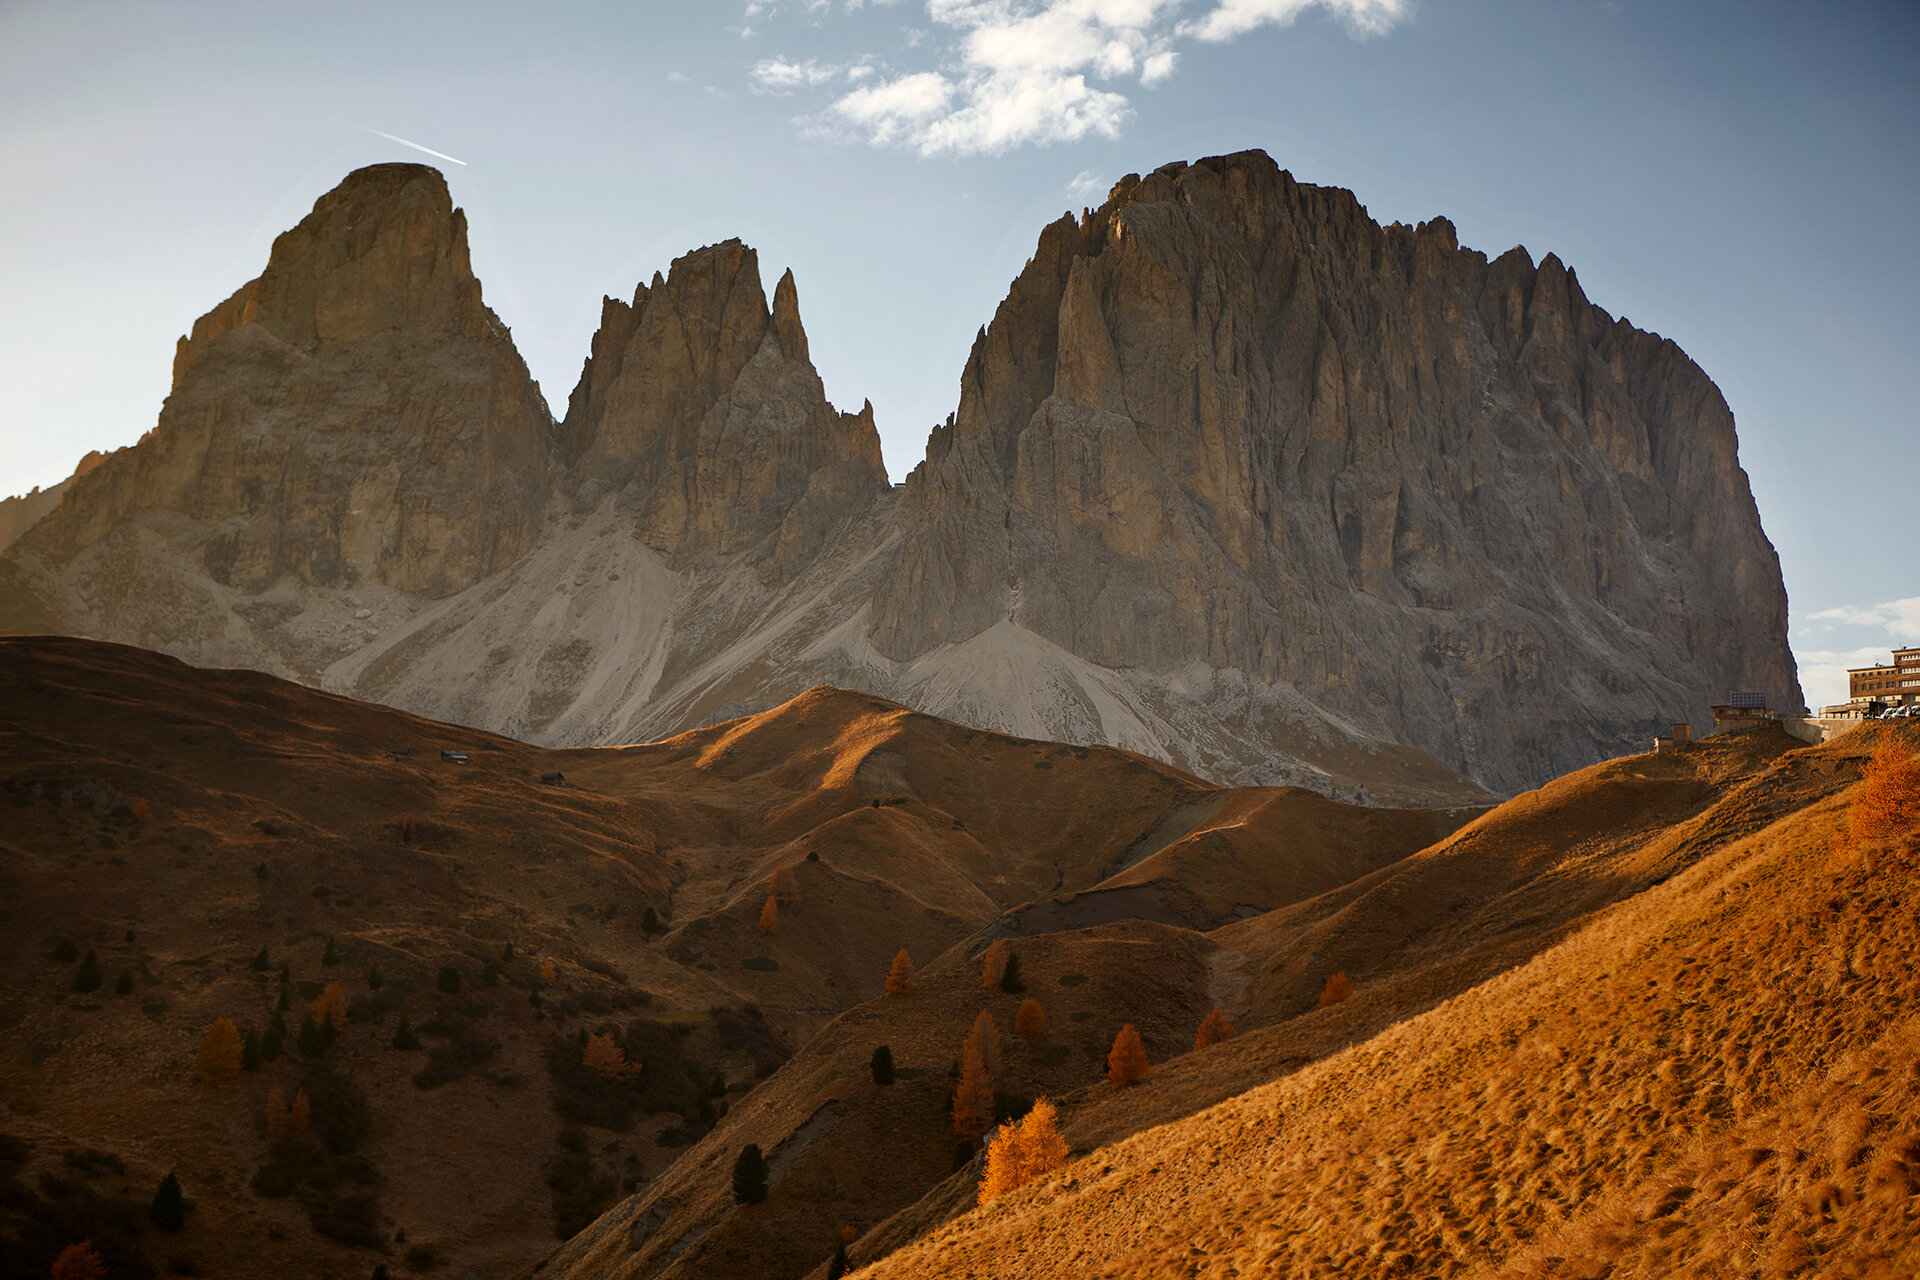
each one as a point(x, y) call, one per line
point(1719, 1076)
point(1425, 928)
point(176, 822)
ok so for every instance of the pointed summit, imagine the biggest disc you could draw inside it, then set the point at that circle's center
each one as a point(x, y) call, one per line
point(701, 408)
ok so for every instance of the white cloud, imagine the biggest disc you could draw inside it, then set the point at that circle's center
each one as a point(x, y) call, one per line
point(1034, 72)
point(676, 77)
point(897, 110)
point(1900, 618)
point(1823, 672)
point(1233, 18)
point(1084, 186)
point(778, 76)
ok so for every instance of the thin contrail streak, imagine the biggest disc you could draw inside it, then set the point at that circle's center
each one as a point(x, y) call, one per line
point(416, 146)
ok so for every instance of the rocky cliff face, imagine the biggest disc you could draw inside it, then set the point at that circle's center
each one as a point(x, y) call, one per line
point(700, 406)
point(1238, 478)
point(1236, 439)
point(21, 513)
point(356, 417)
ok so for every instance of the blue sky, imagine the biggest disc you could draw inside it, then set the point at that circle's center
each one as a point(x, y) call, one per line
point(1740, 177)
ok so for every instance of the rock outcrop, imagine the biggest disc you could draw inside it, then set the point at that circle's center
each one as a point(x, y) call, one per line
point(355, 417)
point(1238, 478)
point(21, 513)
point(701, 407)
point(1234, 438)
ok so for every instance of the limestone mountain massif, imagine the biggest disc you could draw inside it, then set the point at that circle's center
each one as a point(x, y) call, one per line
point(1238, 479)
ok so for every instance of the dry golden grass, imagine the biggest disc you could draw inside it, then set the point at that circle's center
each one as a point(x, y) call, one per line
point(1718, 1077)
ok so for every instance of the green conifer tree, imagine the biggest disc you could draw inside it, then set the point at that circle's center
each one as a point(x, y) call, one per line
point(168, 1212)
point(261, 962)
point(330, 956)
point(882, 1065)
point(123, 985)
point(750, 1175)
point(250, 1051)
point(1010, 977)
point(88, 978)
point(313, 1038)
point(375, 979)
point(403, 1035)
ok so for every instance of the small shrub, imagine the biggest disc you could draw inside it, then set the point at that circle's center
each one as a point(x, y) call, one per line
point(462, 1048)
point(66, 952)
point(449, 980)
point(1214, 1029)
point(375, 979)
point(425, 1257)
point(353, 1219)
point(123, 985)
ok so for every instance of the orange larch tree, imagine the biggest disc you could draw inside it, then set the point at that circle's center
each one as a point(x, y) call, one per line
point(1887, 803)
point(330, 1010)
point(984, 1037)
point(606, 1059)
point(1214, 1028)
point(1336, 990)
point(973, 1096)
point(993, 965)
point(218, 1059)
point(900, 977)
point(1030, 1023)
point(299, 1113)
point(548, 974)
point(1127, 1060)
point(78, 1262)
point(770, 915)
point(1022, 1152)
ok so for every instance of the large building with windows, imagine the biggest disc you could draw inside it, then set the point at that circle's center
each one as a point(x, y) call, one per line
point(1896, 685)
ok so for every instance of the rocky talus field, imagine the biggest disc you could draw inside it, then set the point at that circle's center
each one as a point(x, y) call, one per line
point(517, 1011)
point(1238, 479)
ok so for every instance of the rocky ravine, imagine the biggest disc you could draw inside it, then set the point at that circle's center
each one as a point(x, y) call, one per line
point(1238, 478)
